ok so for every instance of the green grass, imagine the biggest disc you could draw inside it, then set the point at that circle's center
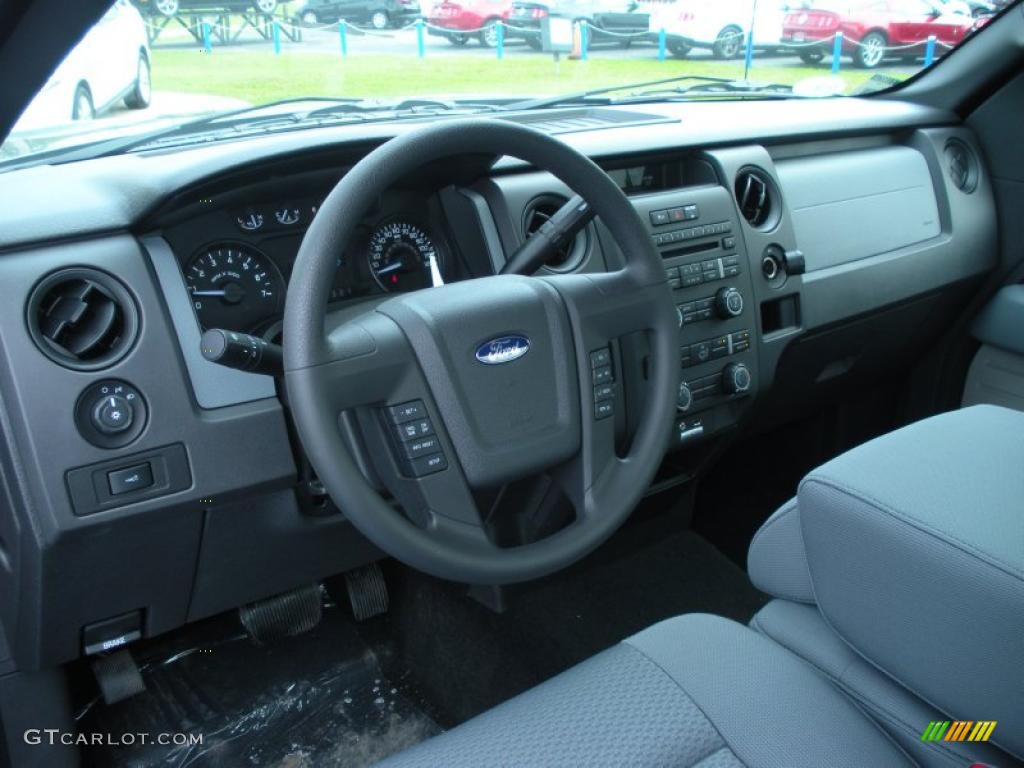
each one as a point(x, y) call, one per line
point(260, 76)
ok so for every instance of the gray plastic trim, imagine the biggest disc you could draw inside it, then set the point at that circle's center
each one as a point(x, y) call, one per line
point(214, 385)
point(852, 205)
point(995, 377)
point(1001, 322)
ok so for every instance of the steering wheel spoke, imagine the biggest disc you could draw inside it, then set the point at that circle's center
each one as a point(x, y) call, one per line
point(603, 307)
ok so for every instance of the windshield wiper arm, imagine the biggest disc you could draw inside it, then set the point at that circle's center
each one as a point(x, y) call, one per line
point(700, 84)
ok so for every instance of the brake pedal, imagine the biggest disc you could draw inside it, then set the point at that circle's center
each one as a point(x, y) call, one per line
point(367, 591)
point(118, 676)
point(285, 615)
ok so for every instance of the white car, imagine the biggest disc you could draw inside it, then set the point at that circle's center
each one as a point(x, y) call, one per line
point(109, 65)
point(720, 26)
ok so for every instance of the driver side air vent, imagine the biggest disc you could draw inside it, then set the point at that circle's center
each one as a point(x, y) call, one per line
point(537, 212)
point(82, 319)
point(756, 198)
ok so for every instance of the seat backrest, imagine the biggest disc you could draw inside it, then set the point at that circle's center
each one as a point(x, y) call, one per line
point(912, 546)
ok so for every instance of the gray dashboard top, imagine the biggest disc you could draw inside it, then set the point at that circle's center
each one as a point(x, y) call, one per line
point(113, 193)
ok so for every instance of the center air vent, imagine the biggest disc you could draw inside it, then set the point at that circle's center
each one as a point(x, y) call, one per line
point(756, 197)
point(82, 318)
point(961, 165)
point(538, 211)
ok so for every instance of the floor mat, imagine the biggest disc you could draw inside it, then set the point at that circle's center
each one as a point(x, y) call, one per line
point(319, 699)
point(466, 658)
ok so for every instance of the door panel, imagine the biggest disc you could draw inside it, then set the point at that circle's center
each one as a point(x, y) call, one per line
point(996, 375)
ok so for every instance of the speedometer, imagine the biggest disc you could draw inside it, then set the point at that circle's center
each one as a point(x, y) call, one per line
point(403, 257)
point(234, 286)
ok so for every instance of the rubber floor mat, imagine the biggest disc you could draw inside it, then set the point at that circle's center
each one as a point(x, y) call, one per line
point(319, 699)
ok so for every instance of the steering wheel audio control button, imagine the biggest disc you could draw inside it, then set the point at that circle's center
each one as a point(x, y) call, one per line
point(604, 409)
point(604, 392)
point(600, 358)
point(603, 375)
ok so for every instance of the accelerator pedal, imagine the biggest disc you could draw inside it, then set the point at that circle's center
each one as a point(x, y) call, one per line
point(367, 591)
point(284, 615)
point(118, 676)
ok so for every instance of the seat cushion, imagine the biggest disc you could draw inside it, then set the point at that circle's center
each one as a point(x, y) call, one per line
point(802, 630)
point(915, 546)
point(697, 690)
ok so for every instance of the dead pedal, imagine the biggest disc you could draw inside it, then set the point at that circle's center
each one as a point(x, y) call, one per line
point(367, 591)
point(284, 615)
point(118, 676)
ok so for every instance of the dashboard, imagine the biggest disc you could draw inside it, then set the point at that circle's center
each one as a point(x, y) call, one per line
point(807, 245)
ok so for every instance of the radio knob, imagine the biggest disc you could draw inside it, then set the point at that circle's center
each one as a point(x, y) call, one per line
point(736, 378)
point(684, 399)
point(729, 302)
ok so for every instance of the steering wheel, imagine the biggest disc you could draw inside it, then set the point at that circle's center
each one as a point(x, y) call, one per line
point(499, 369)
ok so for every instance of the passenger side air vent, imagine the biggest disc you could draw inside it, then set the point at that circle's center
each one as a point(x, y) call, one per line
point(962, 166)
point(538, 211)
point(757, 198)
point(82, 318)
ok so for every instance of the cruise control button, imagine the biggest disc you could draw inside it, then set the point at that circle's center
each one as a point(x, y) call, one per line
point(410, 411)
point(414, 429)
point(426, 465)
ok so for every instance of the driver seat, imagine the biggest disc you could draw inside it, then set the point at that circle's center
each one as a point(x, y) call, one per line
point(910, 552)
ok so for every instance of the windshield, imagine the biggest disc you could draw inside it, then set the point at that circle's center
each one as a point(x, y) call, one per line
point(152, 69)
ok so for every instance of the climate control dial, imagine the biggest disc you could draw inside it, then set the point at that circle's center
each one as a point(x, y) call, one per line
point(728, 303)
point(736, 379)
point(684, 398)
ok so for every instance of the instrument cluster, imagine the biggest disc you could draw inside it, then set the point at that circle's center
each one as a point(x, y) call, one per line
point(238, 282)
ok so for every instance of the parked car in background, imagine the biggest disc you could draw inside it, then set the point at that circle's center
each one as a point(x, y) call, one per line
point(877, 29)
point(720, 27)
point(379, 14)
point(171, 8)
point(461, 20)
point(618, 20)
point(109, 66)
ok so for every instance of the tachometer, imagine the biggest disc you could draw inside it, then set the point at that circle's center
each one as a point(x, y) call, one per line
point(234, 286)
point(403, 257)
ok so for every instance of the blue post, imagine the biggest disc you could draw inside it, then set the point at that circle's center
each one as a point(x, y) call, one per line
point(584, 39)
point(748, 58)
point(276, 34)
point(929, 51)
point(343, 37)
point(499, 39)
point(421, 49)
point(837, 51)
point(207, 45)
point(661, 44)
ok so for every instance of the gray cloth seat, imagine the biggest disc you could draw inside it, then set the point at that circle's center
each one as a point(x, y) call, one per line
point(696, 690)
point(901, 571)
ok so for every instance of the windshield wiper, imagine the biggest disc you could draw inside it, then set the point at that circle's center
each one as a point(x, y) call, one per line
point(646, 91)
point(258, 120)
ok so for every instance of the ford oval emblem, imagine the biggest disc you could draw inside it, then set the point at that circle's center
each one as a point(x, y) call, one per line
point(503, 349)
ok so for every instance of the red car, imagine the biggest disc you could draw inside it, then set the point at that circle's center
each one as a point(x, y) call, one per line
point(872, 30)
point(459, 21)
